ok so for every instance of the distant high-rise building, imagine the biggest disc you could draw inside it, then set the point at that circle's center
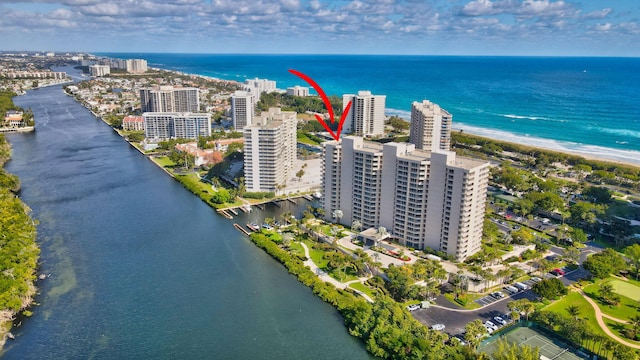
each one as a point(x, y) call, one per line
point(424, 199)
point(258, 86)
point(136, 66)
point(160, 126)
point(430, 126)
point(298, 91)
point(242, 109)
point(270, 150)
point(99, 70)
point(169, 99)
point(366, 116)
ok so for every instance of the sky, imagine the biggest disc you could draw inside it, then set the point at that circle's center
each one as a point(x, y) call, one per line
point(437, 27)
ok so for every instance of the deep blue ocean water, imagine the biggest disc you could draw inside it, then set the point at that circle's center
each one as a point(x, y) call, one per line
point(586, 105)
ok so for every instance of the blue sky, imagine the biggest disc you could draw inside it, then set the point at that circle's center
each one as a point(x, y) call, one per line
point(438, 27)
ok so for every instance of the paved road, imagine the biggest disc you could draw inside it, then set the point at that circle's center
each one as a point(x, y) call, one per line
point(456, 319)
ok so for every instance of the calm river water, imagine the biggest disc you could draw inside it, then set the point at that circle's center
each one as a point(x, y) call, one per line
point(142, 269)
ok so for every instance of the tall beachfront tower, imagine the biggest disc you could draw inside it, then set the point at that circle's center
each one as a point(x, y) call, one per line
point(430, 126)
point(423, 198)
point(366, 116)
point(169, 99)
point(242, 109)
point(270, 151)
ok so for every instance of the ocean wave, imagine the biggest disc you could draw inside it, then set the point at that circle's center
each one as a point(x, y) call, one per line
point(627, 156)
point(623, 132)
point(534, 118)
point(397, 112)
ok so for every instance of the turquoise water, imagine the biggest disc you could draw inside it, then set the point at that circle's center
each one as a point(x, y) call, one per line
point(586, 105)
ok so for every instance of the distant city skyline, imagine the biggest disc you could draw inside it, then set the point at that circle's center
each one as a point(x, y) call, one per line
point(438, 27)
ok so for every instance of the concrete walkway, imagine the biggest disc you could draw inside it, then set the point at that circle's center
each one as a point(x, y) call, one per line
point(327, 278)
point(603, 326)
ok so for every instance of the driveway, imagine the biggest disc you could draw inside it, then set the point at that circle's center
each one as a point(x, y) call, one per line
point(456, 319)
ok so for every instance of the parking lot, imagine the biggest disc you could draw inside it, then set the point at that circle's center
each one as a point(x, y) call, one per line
point(489, 299)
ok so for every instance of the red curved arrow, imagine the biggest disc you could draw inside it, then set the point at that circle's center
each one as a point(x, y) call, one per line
point(327, 104)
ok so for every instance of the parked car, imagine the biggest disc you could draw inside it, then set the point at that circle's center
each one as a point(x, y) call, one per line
point(497, 294)
point(511, 289)
point(489, 329)
point(499, 320)
point(438, 327)
point(536, 279)
point(557, 272)
point(521, 286)
point(413, 307)
point(490, 324)
point(460, 339)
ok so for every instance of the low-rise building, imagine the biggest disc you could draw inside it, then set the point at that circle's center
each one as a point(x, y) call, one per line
point(133, 123)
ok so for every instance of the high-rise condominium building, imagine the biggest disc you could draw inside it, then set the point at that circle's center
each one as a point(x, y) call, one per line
point(169, 99)
point(270, 150)
point(366, 116)
point(99, 70)
point(159, 126)
point(242, 109)
point(136, 66)
point(258, 86)
point(424, 199)
point(430, 126)
point(298, 91)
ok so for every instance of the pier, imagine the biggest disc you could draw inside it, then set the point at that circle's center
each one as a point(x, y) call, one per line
point(241, 229)
point(225, 214)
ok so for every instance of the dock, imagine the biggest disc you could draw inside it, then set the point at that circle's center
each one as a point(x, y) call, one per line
point(233, 211)
point(246, 208)
point(241, 229)
point(276, 203)
point(225, 214)
point(260, 206)
point(308, 197)
point(291, 201)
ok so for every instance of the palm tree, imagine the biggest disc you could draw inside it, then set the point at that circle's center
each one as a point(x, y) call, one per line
point(286, 216)
point(380, 233)
point(574, 310)
point(337, 214)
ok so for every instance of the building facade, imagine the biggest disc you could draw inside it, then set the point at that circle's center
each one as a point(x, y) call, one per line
point(169, 99)
point(161, 126)
point(366, 116)
point(135, 123)
point(430, 126)
point(99, 70)
point(242, 109)
point(270, 151)
point(298, 91)
point(424, 199)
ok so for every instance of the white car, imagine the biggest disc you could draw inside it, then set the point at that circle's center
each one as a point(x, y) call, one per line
point(438, 327)
point(489, 324)
point(413, 307)
point(489, 330)
point(500, 320)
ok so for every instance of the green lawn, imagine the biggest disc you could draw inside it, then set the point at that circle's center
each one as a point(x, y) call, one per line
point(586, 310)
point(624, 311)
point(627, 289)
point(364, 288)
point(296, 248)
point(316, 255)
point(164, 161)
point(617, 329)
point(304, 139)
point(471, 304)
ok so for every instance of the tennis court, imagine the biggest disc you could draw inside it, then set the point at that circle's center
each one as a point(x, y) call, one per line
point(550, 349)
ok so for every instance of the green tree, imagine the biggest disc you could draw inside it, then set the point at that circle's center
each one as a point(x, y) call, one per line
point(550, 288)
point(607, 262)
point(398, 124)
point(633, 253)
point(574, 311)
point(522, 236)
point(221, 196)
point(513, 351)
point(572, 254)
point(474, 331)
point(523, 306)
point(597, 194)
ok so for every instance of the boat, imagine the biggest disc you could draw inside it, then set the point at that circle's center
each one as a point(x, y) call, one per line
point(317, 194)
point(11, 336)
point(253, 226)
point(267, 226)
point(246, 208)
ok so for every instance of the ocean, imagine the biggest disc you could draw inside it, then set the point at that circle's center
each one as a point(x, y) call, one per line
point(583, 105)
